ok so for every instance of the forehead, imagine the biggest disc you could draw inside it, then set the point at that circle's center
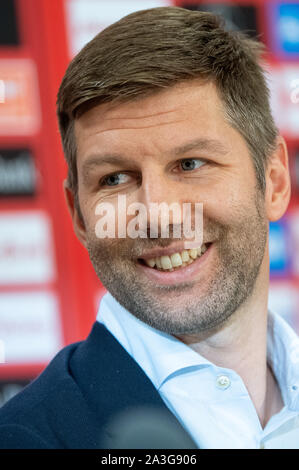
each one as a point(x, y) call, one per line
point(177, 98)
point(186, 110)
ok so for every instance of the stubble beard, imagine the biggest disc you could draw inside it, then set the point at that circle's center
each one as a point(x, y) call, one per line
point(186, 309)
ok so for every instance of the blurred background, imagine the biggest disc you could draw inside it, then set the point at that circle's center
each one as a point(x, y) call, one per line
point(49, 293)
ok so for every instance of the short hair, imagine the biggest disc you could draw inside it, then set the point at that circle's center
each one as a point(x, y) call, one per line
point(151, 50)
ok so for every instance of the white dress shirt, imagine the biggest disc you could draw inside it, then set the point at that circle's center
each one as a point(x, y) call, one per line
point(212, 403)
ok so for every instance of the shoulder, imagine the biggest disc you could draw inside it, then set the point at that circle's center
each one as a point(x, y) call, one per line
point(70, 403)
point(23, 417)
point(16, 436)
point(48, 411)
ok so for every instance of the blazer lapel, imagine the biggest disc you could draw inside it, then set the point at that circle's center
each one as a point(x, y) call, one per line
point(111, 380)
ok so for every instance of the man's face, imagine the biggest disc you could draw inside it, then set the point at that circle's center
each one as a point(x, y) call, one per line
point(174, 146)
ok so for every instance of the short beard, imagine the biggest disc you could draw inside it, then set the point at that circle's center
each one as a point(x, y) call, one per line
point(240, 248)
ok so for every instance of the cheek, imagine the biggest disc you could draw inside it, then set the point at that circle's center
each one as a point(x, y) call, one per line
point(105, 254)
point(229, 203)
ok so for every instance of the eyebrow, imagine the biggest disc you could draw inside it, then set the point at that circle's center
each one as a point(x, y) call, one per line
point(210, 145)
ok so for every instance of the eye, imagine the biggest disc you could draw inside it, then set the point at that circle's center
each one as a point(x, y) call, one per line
point(115, 179)
point(191, 164)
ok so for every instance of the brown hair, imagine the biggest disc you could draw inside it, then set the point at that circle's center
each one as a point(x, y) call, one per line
point(153, 49)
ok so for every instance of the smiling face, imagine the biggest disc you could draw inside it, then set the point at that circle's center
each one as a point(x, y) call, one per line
point(175, 146)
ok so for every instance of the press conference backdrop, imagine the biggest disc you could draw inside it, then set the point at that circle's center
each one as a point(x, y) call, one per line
point(48, 290)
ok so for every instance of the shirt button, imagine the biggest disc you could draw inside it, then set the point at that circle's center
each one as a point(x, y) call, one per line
point(222, 382)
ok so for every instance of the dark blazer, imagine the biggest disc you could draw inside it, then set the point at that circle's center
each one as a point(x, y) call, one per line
point(71, 403)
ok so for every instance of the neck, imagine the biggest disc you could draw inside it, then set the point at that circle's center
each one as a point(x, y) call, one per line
point(241, 345)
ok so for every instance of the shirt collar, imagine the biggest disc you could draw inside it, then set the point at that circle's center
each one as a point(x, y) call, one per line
point(162, 355)
point(159, 353)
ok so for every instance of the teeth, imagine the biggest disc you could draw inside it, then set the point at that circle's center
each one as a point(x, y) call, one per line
point(176, 260)
point(150, 262)
point(185, 256)
point(166, 262)
point(193, 253)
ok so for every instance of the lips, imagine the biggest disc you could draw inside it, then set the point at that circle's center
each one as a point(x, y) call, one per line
point(175, 260)
point(176, 274)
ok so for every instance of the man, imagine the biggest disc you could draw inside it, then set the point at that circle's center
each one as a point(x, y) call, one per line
point(167, 106)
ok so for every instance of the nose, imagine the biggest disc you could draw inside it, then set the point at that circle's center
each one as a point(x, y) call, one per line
point(157, 187)
point(162, 198)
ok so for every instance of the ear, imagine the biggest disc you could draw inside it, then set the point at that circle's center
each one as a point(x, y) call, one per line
point(278, 185)
point(78, 223)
